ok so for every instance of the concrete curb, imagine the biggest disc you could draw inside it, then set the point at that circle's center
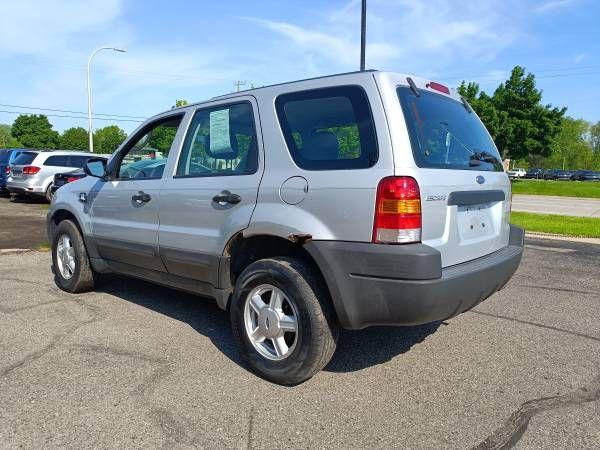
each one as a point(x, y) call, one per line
point(13, 251)
point(560, 237)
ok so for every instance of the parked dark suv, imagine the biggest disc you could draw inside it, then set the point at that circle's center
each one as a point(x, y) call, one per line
point(534, 174)
point(586, 175)
point(7, 156)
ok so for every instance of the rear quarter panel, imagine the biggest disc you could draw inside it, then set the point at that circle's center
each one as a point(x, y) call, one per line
point(339, 204)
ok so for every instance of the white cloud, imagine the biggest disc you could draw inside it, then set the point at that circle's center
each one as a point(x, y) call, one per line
point(49, 41)
point(402, 34)
point(553, 5)
point(44, 27)
point(339, 48)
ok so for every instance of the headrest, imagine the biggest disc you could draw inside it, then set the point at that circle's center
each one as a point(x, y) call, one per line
point(321, 145)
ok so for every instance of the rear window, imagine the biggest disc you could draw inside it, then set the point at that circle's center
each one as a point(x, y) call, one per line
point(328, 129)
point(445, 135)
point(24, 158)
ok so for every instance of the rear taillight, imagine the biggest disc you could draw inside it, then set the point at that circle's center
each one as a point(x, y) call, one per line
point(397, 211)
point(71, 179)
point(30, 170)
point(7, 170)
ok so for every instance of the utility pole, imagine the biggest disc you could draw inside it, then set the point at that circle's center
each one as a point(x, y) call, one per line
point(363, 34)
point(239, 83)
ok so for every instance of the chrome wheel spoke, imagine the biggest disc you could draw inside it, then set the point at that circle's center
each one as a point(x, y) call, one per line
point(288, 324)
point(257, 303)
point(276, 301)
point(280, 346)
point(257, 335)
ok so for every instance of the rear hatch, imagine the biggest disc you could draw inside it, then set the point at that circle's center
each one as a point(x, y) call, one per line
point(24, 159)
point(465, 193)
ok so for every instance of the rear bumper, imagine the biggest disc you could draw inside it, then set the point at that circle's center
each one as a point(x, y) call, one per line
point(364, 292)
point(24, 187)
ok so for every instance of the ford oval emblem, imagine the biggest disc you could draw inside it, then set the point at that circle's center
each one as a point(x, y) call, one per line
point(480, 179)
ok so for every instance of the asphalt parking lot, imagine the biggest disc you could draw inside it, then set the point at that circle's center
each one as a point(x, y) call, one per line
point(22, 223)
point(136, 365)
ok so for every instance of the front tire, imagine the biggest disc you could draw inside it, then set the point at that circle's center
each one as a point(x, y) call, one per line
point(70, 262)
point(282, 320)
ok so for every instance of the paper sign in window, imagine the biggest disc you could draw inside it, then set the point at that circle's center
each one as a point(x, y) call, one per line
point(220, 141)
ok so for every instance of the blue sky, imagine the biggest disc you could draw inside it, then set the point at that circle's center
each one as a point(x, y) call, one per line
point(197, 49)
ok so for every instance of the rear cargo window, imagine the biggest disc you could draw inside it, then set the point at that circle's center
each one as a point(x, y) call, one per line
point(445, 135)
point(328, 129)
point(24, 158)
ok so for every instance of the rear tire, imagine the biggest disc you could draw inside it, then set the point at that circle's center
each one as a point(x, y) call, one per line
point(304, 351)
point(70, 262)
point(49, 193)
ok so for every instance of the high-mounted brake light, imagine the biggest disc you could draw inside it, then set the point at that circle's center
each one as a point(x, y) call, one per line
point(397, 211)
point(438, 87)
point(30, 170)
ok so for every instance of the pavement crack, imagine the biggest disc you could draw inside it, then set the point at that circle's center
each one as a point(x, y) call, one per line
point(515, 426)
point(250, 428)
point(549, 288)
point(25, 308)
point(54, 343)
point(22, 280)
point(539, 325)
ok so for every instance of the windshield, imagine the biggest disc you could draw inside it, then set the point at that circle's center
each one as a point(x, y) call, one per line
point(445, 135)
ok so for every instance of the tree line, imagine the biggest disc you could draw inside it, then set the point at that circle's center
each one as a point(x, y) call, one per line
point(530, 133)
point(526, 131)
point(36, 131)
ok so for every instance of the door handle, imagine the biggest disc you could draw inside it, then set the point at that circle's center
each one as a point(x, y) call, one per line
point(226, 197)
point(141, 197)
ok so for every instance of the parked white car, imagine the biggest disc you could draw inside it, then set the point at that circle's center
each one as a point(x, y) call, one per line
point(32, 172)
point(516, 173)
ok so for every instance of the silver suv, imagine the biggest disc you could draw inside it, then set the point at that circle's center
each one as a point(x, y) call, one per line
point(354, 200)
point(32, 172)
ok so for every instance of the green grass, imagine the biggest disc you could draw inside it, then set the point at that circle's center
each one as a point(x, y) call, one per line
point(551, 223)
point(44, 247)
point(585, 189)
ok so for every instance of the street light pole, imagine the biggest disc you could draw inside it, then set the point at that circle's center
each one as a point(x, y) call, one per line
point(89, 92)
point(363, 34)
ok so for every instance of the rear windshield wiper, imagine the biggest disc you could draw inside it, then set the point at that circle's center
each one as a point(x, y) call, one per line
point(466, 104)
point(482, 156)
point(476, 156)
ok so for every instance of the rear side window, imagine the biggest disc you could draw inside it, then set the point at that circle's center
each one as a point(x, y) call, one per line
point(445, 135)
point(328, 129)
point(78, 161)
point(57, 161)
point(24, 158)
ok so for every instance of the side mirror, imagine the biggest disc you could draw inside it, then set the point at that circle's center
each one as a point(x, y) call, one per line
point(95, 167)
